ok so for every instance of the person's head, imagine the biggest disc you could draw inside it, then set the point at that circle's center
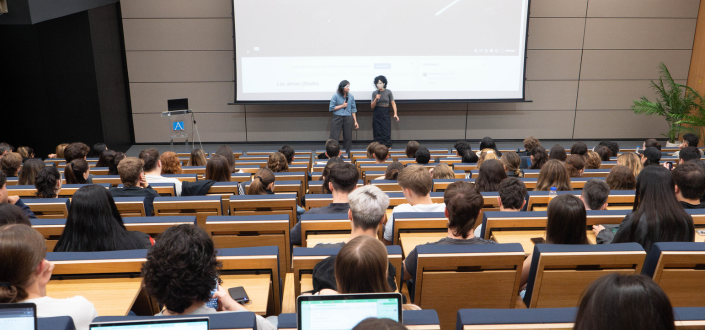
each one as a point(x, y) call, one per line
point(624, 302)
point(130, 171)
point(558, 152)
point(361, 266)
point(343, 178)
point(443, 171)
point(652, 143)
point(368, 205)
point(371, 149)
point(170, 163)
point(486, 154)
point(463, 204)
point(22, 251)
point(488, 143)
point(262, 181)
point(287, 151)
point(511, 162)
point(277, 163)
point(48, 182)
point(613, 146)
point(689, 153)
point(632, 161)
point(651, 156)
point(604, 153)
point(11, 213)
point(10, 163)
point(181, 268)
point(690, 140)
point(621, 178)
point(539, 157)
point(381, 82)
point(553, 174)
point(59, 151)
point(332, 148)
point(462, 147)
point(381, 153)
point(25, 152)
point(150, 158)
point(470, 157)
point(197, 158)
point(76, 150)
point(106, 157)
point(578, 148)
point(227, 153)
point(512, 192)
point(113, 166)
point(77, 171)
point(490, 175)
point(393, 170)
point(97, 150)
point(29, 171)
point(411, 148)
point(575, 165)
point(343, 87)
point(567, 221)
point(594, 194)
point(218, 169)
point(415, 180)
point(94, 224)
point(325, 176)
point(689, 179)
point(530, 143)
point(423, 156)
point(3, 188)
point(373, 323)
point(592, 160)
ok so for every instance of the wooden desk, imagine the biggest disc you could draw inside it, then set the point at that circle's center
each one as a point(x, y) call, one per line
point(410, 240)
point(110, 296)
point(256, 286)
point(698, 237)
point(306, 282)
point(524, 237)
point(312, 240)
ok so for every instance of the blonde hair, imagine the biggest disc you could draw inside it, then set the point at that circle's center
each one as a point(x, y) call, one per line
point(60, 150)
point(486, 154)
point(632, 161)
point(511, 162)
point(417, 179)
point(553, 174)
point(443, 171)
point(592, 160)
point(198, 158)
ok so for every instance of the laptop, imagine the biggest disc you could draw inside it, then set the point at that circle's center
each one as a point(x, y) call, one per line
point(190, 323)
point(345, 311)
point(177, 104)
point(20, 316)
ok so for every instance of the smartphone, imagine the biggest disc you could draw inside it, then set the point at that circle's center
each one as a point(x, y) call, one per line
point(670, 165)
point(701, 232)
point(213, 302)
point(538, 240)
point(238, 294)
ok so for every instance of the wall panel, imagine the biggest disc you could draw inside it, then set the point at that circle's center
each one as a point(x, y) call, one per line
point(176, 66)
point(179, 34)
point(639, 33)
point(633, 64)
point(520, 124)
point(613, 94)
point(617, 124)
point(176, 9)
point(203, 96)
point(644, 8)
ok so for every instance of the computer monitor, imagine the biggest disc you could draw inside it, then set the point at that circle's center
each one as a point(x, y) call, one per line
point(190, 323)
point(177, 104)
point(20, 316)
point(343, 312)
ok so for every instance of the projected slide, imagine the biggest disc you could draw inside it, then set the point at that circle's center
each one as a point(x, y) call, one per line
point(428, 50)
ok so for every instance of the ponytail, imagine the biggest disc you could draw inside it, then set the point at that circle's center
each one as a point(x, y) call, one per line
point(46, 182)
point(519, 173)
point(74, 171)
point(392, 175)
point(263, 178)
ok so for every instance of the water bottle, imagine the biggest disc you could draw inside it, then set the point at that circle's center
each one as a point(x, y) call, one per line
point(552, 193)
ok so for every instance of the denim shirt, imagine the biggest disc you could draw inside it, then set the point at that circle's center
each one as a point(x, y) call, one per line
point(337, 100)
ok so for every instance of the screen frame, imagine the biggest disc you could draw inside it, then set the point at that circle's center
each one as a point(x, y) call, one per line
point(405, 101)
point(149, 321)
point(33, 306)
point(353, 296)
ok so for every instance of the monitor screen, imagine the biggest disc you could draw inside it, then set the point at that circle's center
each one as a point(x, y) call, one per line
point(345, 314)
point(17, 316)
point(180, 324)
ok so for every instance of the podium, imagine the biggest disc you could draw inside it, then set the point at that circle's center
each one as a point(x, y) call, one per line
point(179, 120)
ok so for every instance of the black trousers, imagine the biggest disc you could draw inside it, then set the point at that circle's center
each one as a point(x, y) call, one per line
point(382, 126)
point(344, 123)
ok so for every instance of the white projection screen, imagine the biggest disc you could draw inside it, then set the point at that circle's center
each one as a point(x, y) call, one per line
point(429, 50)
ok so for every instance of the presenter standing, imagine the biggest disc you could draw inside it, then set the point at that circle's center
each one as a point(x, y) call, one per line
point(343, 106)
point(382, 98)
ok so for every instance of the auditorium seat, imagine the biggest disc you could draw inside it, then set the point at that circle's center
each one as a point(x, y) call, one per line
point(316, 187)
point(587, 173)
point(67, 190)
point(157, 225)
point(617, 199)
point(466, 167)
point(225, 190)
point(264, 205)
point(51, 229)
point(240, 320)
point(55, 323)
point(251, 169)
point(240, 177)
point(516, 319)
point(679, 269)
point(12, 180)
point(689, 317)
point(440, 185)
point(200, 206)
point(199, 170)
point(131, 206)
point(415, 228)
point(113, 180)
point(414, 319)
point(324, 228)
point(386, 185)
point(49, 208)
point(182, 177)
point(162, 188)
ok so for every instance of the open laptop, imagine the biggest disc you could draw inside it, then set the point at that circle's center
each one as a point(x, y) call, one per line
point(20, 316)
point(345, 311)
point(177, 104)
point(190, 323)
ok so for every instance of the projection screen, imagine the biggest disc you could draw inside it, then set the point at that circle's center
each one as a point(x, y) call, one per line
point(448, 50)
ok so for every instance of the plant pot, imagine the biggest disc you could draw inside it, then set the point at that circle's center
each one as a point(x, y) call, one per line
point(672, 145)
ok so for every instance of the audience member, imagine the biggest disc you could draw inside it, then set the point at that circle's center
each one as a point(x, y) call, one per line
point(380, 154)
point(488, 143)
point(512, 198)
point(613, 146)
point(262, 183)
point(689, 179)
point(423, 156)
point(325, 175)
point(411, 148)
point(10, 214)
point(113, 167)
point(134, 182)
point(170, 163)
point(48, 182)
point(97, 150)
point(332, 149)
point(29, 171)
point(197, 158)
point(461, 147)
point(553, 174)
point(442, 171)
point(557, 152)
point(106, 158)
point(689, 140)
point(604, 153)
point(592, 160)
point(16, 200)
point(486, 154)
point(373, 323)
point(687, 154)
point(621, 178)
point(25, 152)
point(579, 148)
point(392, 172)
point(529, 144)
point(511, 162)
point(539, 157)
point(153, 169)
point(59, 151)
point(490, 175)
point(470, 157)
point(4, 149)
point(370, 152)
point(651, 143)
point(77, 172)
point(650, 156)
point(76, 150)
point(574, 165)
point(218, 169)
point(10, 164)
point(277, 163)
point(594, 195)
point(288, 152)
point(631, 160)
point(227, 153)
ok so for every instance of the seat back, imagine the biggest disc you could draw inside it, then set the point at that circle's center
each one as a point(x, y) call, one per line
point(240, 320)
point(679, 269)
point(200, 206)
point(689, 317)
point(130, 206)
point(616, 197)
point(517, 319)
point(496, 220)
point(295, 187)
point(311, 224)
point(264, 205)
point(49, 208)
point(418, 222)
point(260, 259)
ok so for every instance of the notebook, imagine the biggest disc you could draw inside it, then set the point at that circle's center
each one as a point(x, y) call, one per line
point(20, 316)
point(344, 312)
point(191, 323)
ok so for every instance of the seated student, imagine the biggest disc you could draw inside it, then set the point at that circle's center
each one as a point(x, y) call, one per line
point(366, 212)
point(153, 169)
point(135, 184)
point(332, 150)
point(289, 153)
point(689, 179)
point(380, 154)
point(688, 154)
point(592, 160)
point(624, 302)
point(218, 169)
point(486, 154)
point(77, 171)
point(557, 152)
point(594, 195)
point(539, 157)
point(227, 153)
point(529, 144)
point(26, 153)
point(488, 143)
point(97, 150)
point(651, 143)
point(423, 156)
point(566, 224)
point(689, 140)
point(461, 147)
point(553, 174)
point(470, 157)
point(373, 323)
point(392, 172)
point(411, 148)
point(10, 214)
point(58, 152)
point(604, 153)
point(416, 184)
point(342, 180)
point(370, 152)
point(621, 178)
point(463, 204)
point(613, 146)
point(5, 198)
point(76, 150)
point(574, 165)
point(442, 171)
point(170, 163)
point(25, 274)
point(579, 148)
point(657, 215)
point(512, 193)
point(325, 175)
point(106, 158)
point(48, 182)
point(277, 163)
point(650, 156)
point(94, 224)
point(29, 171)
point(490, 175)
point(112, 167)
point(262, 183)
point(197, 158)
point(511, 162)
point(10, 164)
point(632, 161)
point(180, 272)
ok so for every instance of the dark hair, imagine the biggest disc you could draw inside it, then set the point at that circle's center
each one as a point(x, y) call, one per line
point(463, 203)
point(373, 323)
point(488, 143)
point(462, 147)
point(595, 193)
point(411, 148)
point(29, 171)
point(690, 179)
point(490, 175)
point(540, 157)
point(5, 147)
point(558, 152)
point(621, 178)
point(567, 221)
point(46, 182)
point(277, 163)
point(361, 266)
point(692, 139)
point(624, 302)
point(11, 213)
point(227, 153)
point(592, 160)
point(288, 152)
point(382, 79)
point(25, 152)
point(106, 158)
point(332, 148)
point(393, 170)
point(578, 148)
point(261, 180)
point(470, 157)
point(530, 143)
point(10, 164)
point(689, 153)
point(74, 171)
point(574, 164)
point(604, 152)
point(344, 177)
point(94, 224)
point(341, 87)
point(553, 174)
point(113, 165)
point(512, 192)
point(326, 172)
point(3, 179)
point(22, 249)
point(76, 150)
point(97, 150)
point(218, 169)
point(149, 157)
point(613, 146)
point(423, 156)
point(652, 143)
point(181, 268)
point(381, 152)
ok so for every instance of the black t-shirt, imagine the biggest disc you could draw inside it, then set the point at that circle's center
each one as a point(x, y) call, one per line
point(324, 271)
point(687, 205)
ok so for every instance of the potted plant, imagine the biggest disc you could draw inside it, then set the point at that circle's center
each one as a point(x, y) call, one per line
point(676, 103)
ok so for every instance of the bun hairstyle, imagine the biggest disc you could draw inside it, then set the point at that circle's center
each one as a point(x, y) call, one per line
point(112, 166)
point(75, 170)
point(46, 182)
point(393, 171)
point(22, 249)
point(262, 179)
point(106, 158)
point(511, 161)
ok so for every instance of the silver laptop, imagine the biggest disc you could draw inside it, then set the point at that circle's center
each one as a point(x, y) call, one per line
point(20, 316)
point(345, 311)
point(190, 323)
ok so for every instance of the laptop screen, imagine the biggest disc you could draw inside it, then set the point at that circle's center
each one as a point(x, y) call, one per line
point(180, 324)
point(344, 312)
point(18, 316)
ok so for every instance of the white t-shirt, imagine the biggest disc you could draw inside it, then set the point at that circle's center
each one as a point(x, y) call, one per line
point(389, 226)
point(160, 179)
point(78, 308)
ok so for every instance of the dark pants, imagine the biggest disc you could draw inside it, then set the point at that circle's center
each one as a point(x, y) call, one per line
point(382, 126)
point(344, 123)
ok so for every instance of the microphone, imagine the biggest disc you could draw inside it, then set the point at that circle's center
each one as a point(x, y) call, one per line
point(346, 99)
